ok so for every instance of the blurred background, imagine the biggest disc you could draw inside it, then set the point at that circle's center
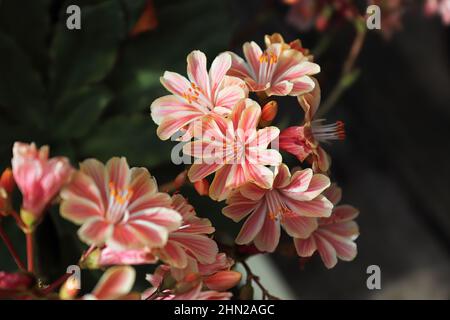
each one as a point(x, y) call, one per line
point(86, 93)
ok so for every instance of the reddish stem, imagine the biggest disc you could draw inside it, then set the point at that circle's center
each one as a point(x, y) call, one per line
point(11, 249)
point(30, 251)
point(57, 283)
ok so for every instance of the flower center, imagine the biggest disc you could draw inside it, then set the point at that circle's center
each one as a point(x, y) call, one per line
point(327, 132)
point(268, 57)
point(118, 203)
point(277, 208)
point(192, 94)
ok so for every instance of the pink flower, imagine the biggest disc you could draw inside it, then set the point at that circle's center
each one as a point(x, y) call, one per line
point(189, 240)
point(276, 71)
point(115, 284)
point(203, 94)
point(196, 281)
point(293, 202)
point(109, 257)
point(304, 141)
point(118, 207)
point(234, 149)
point(38, 178)
point(334, 238)
point(441, 7)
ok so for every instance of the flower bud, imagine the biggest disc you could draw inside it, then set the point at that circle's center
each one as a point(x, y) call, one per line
point(70, 288)
point(223, 280)
point(7, 181)
point(269, 112)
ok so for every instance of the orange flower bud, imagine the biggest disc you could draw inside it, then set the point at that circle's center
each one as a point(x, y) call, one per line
point(269, 112)
point(147, 21)
point(223, 280)
point(202, 187)
point(7, 181)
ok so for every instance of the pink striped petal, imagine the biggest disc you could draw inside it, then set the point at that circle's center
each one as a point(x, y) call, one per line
point(220, 187)
point(252, 225)
point(297, 226)
point(175, 83)
point(299, 182)
point(97, 171)
point(141, 183)
point(196, 69)
point(198, 171)
point(265, 136)
point(345, 248)
point(239, 68)
point(305, 247)
point(302, 85)
point(110, 257)
point(115, 283)
point(148, 201)
point(269, 235)
point(201, 247)
point(78, 210)
point(282, 177)
point(317, 185)
point(326, 251)
point(95, 231)
point(259, 174)
point(174, 255)
point(170, 125)
point(118, 172)
point(218, 70)
point(316, 208)
point(249, 118)
point(165, 217)
point(172, 106)
point(282, 88)
point(310, 101)
point(239, 207)
point(252, 53)
point(333, 193)
point(229, 96)
point(252, 191)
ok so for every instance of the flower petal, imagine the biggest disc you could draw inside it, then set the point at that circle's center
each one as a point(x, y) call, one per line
point(196, 69)
point(269, 235)
point(252, 225)
point(114, 283)
point(95, 231)
point(297, 226)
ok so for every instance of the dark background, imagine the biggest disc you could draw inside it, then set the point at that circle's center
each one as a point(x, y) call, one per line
point(87, 93)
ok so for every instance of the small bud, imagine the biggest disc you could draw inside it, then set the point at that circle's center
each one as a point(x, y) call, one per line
point(269, 112)
point(91, 261)
point(202, 187)
point(29, 219)
point(70, 288)
point(7, 181)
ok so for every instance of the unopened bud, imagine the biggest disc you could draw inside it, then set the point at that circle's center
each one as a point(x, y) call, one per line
point(7, 181)
point(269, 112)
point(70, 288)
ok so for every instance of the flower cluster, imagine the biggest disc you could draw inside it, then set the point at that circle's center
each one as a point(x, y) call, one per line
point(236, 143)
point(125, 220)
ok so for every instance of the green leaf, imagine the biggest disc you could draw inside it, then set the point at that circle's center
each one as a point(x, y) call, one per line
point(22, 95)
point(86, 56)
point(145, 58)
point(131, 136)
point(79, 111)
point(28, 23)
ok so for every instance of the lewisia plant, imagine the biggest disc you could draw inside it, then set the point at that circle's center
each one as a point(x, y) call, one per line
point(225, 119)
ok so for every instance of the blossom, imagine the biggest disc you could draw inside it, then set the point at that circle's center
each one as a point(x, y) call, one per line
point(441, 7)
point(115, 284)
point(203, 94)
point(190, 239)
point(294, 202)
point(194, 282)
point(234, 149)
point(38, 177)
point(276, 70)
point(118, 207)
point(304, 141)
point(334, 238)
